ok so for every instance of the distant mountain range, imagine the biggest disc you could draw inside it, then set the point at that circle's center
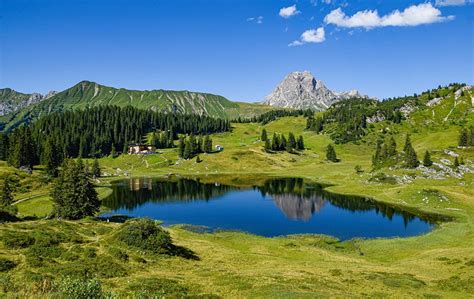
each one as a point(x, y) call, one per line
point(17, 108)
point(301, 90)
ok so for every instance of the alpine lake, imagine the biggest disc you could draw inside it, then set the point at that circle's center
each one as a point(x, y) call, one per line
point(273, 207)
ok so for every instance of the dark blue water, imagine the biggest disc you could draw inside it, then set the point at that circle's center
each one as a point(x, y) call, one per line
point(277, 207)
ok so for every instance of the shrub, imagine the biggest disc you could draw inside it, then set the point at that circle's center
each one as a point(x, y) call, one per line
point(80, 288)
point(145, 234)
point(119, 254)
point(18, 240)
point(6, 265)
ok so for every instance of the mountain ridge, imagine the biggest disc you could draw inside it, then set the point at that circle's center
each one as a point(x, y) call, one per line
point(301, 90)
point(89, 94)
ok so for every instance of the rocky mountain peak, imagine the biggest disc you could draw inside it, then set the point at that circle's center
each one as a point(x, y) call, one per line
point(301, 90)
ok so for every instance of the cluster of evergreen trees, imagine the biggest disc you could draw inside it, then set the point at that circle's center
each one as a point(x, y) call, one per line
point(466, 137)
point(281, 143)
point(386, 154)
point(97, 132)
point(272, 115)
point(346, 118)
point(162, 139)
point(73, 193)
point(188, 147)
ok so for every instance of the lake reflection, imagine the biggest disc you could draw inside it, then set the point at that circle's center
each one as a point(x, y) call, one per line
point(276, 207)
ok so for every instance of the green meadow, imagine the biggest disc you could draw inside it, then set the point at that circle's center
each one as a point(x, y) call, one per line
point(232, 264)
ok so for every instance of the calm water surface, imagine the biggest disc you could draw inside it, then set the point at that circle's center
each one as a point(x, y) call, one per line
point(278, 207)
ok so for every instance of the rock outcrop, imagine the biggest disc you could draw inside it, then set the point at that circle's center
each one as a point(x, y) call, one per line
point(301, 90)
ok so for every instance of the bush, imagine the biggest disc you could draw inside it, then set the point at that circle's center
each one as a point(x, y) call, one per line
point(80, 288)
point(6, 265)
point(146, 234)
point(18, 240)
point(119, 254)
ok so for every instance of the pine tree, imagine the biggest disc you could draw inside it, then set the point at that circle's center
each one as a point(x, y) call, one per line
point(181, 146)
point(291, 141)
point(264, 136)
point(392, 147)
point(331, 153)
point(3, 146)
point(376, 158)
point(427, 159)
point(283, 143)
point(268, 146)
point(275, 142)
point(300, 143)
point(198, 159)
point(407, 143)
point(207, 146)
point(52, 158)
point(96, 171)
point(188, 151)
point(6, 197)
point(463, 138)
point(73, 193)
point(411, 159)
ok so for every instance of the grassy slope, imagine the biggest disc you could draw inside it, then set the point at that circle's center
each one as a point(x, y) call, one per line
point(440, 263)
point(89, 94)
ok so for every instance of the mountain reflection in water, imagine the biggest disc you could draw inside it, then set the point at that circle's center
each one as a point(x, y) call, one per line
point(186, 200)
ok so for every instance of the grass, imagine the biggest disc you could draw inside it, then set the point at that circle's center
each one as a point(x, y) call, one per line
point(232, 264)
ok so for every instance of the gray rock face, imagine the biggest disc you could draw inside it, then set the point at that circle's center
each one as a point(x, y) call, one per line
point(301, 90)
point(12, 101)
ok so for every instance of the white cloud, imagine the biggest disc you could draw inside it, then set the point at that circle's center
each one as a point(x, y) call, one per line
point(288, 12)
point(414, 15)
point(258, 20)
point(310, 36)
point(453, 2)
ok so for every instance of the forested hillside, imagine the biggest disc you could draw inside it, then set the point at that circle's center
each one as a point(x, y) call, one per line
point(352, 119)
point(89, 94)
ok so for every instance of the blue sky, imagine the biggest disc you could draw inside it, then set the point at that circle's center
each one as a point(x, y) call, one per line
point(238, 49)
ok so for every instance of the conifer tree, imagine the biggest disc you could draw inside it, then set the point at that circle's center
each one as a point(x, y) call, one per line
point(407, 143)
point(275, 142)
point(427, 159)
point(264, 136)
point(463, 138)
point(268, 146)
point(411, 159)
point(392, 147)
point(73, 193)
point(207, 146)
point(331, 153)
point(181, 146)
point(187, 154)
point(52, 158)
point(6, 197)
point(283, 143)
point(376, 158)
point(300, 143)
point(96, 171)
point(291, 141)
point(3, 146)
point(198, 159)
